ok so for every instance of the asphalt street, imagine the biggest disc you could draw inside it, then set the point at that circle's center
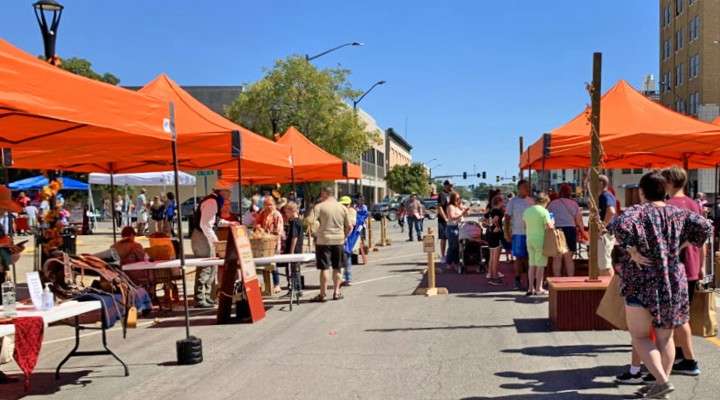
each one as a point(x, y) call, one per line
point(380, 342)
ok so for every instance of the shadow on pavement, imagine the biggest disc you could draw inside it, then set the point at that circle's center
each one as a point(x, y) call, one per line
point(518, 298)
point(553, 396)
point(571, 351)
point(439, 328)
point(532, 325)
point(562, 380)
point(43, 384)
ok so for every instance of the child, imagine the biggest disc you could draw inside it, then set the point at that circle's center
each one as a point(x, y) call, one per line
point(293, 237)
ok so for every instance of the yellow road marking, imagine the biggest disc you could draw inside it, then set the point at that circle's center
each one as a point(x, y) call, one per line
point(714, 340)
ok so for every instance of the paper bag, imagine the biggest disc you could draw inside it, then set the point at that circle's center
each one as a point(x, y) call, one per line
point(554, 244)
point(612, 305)
point(703, 314)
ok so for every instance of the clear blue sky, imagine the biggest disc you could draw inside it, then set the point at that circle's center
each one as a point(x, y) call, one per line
point(468, 76)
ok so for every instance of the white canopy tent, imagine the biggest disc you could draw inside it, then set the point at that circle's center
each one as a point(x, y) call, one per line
point(163, 178)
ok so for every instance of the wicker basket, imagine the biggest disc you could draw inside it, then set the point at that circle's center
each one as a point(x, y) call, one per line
point(264, 246)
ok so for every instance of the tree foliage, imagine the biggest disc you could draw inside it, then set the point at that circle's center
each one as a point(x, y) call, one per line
point(411, 178)
point(295, 93)
point(83, 67)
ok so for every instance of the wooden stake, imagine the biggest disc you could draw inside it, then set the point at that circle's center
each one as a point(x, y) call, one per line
point(595, 164)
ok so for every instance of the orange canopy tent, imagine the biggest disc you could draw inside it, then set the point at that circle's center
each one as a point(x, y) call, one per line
point(48, 115)
point(635, 132)
point(310, 163)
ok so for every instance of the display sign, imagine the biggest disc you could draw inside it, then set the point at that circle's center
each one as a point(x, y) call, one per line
point(245, 256)
point(429, 244)
point(35, 289)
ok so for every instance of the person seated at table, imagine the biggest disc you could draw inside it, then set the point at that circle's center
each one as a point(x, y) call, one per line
point(127, 248)
point(271, 221)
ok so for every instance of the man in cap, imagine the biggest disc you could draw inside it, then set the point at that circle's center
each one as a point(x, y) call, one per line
point(352, 216)
point(204, 239)
point(443, 203)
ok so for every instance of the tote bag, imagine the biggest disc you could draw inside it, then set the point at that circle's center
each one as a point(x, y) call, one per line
point(554, 244)
point(612, 305)
point(703, 314)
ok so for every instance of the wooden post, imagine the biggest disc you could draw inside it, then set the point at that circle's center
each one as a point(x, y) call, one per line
point(429, 248)
point(595, 164)
point(686, 165)
point(522, 145)
point(370, 243)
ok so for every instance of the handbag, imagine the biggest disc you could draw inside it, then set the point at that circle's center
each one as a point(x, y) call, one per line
point(612, 305)
point(554, 244)
point(703, 313)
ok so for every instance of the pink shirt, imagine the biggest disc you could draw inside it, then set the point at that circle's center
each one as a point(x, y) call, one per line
point(690, 256)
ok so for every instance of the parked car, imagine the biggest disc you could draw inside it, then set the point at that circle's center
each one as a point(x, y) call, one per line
point(430, 208)
point(384, 209)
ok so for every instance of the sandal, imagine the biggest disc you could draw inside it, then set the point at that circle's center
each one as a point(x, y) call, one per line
point(318, 299)
point(338, 296)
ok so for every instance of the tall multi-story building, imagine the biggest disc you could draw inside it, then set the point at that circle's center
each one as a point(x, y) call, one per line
point(690, 64)
point(690, 56)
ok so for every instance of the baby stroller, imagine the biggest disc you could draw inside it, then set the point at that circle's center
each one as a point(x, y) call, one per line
point(472, 247)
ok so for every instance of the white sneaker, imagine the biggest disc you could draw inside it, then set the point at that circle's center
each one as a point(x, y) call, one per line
point(487, 276)
point(501, 275)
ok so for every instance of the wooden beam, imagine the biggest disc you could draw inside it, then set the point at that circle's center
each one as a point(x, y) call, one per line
point(595, 164)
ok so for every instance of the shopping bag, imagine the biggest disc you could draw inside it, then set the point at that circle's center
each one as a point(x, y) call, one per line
point(612, 305)
point(703, 314)
point(7, 347)
point(554, 244)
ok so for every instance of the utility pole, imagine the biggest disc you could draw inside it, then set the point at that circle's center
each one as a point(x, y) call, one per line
point(595, 165)
point(522, 145)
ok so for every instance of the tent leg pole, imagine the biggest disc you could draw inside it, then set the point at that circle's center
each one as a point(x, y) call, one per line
point(595, 165)
point(240, 195)
point(112, 203)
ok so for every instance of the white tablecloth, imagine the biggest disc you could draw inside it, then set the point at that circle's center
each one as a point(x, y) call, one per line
point(207, 262)
point(60, 312)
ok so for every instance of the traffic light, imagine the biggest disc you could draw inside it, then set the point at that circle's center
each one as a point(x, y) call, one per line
point(484, 175)
point(464, 175)
point(514, 178)
point(497, 179)
point(478, 174)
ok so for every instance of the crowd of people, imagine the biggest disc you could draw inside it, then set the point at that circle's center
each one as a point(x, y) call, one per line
point(657, 249)
point(156, 215)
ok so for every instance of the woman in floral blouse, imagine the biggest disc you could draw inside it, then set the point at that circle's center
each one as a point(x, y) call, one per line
point(654, 283)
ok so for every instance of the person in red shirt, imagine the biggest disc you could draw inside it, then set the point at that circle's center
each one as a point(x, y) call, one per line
point(23, 200)
point(694, 260)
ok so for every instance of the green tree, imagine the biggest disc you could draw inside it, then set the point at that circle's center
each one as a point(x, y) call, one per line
point(411, 178)
point(295, 93)
point(83, 67)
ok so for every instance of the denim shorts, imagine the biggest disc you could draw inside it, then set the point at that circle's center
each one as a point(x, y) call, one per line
point(632, 301)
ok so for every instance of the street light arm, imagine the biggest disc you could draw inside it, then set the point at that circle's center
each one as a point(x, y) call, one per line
point(308, 58)
point(359, 99)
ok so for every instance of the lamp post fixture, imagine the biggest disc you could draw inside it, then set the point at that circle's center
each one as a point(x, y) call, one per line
point(48, 13)
point(359, 99)
point(310, 58)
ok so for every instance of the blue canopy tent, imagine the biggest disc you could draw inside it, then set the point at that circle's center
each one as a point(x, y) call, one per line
point(37, 183)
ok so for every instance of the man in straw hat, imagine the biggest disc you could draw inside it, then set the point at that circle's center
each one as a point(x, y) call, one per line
point(9, 253)
point(204, 239)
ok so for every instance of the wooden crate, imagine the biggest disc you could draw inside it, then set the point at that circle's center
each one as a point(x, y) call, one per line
point(573, 302)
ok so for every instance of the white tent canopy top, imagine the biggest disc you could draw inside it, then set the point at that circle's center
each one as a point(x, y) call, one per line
point(165, 178)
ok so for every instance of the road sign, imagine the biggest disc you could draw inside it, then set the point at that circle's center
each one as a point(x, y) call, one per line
point(209, 172)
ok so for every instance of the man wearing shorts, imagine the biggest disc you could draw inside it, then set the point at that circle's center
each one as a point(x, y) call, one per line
point(608, 210)
point(443, 202)
point(515, 209)
point(334, 226)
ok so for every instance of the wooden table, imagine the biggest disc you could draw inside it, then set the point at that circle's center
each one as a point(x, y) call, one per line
point(70, 309)
point(573, 302)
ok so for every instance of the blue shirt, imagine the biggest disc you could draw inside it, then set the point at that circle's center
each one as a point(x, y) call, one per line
point(606, 200)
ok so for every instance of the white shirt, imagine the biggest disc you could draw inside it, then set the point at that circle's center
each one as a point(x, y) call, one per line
point(515, 209)
point(140, 204)
point(208, 215)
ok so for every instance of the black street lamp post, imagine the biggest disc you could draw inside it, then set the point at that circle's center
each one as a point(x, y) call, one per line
point(48, 13)
point(310, 58)
point(359, 99)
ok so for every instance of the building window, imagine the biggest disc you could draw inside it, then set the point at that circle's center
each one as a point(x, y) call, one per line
point(695, 66)
point(666, 16)
point(679, 6)
point(680, 106)
point(694, 103)
point(666, 49)
point(691, 2)
point(679, 76)
point(666, 83)
point(694, 28)
point(380, 158)
point(679, 40)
